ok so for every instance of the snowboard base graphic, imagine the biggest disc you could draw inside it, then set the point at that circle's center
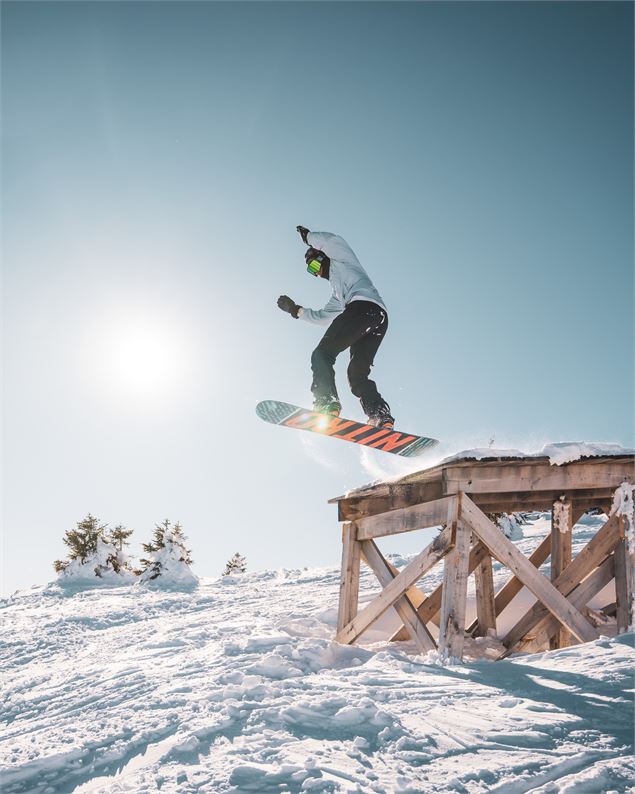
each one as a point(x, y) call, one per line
point(384, 438)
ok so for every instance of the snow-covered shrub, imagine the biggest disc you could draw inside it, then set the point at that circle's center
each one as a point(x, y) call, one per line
point(237, 564)
point(168, 557)
point(95, 552)
point(510, 524)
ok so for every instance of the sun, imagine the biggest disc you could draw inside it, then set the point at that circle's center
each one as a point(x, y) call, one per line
point(142, 357)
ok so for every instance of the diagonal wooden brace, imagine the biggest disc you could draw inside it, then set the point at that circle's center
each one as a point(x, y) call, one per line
point(584, 592)
point(592, 555)
point(506, 553)
point(403, 606)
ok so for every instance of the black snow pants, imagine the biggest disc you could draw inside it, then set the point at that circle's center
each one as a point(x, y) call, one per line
point(361, 326)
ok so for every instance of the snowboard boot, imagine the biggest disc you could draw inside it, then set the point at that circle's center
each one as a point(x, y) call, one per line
point(381, 418)
point(327, 405)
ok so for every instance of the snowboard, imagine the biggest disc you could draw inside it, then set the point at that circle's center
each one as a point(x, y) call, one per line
point(383, 438)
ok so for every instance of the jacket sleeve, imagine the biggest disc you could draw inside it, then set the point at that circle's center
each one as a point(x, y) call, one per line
point(334, 246)
point(323, 316)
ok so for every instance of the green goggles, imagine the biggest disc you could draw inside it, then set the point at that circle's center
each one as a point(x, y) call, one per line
point(313, 267)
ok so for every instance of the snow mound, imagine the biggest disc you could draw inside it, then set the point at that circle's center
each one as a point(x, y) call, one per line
point(95, 569)
point(169, 565)
point(558, 453)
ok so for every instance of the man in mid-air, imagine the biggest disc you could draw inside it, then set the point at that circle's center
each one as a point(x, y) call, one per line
point(357, 319)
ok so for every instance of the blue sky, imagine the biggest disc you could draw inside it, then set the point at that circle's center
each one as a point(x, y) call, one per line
point(156, 160)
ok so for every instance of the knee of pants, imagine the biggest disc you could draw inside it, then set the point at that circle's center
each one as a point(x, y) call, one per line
point(357, 373)
point(320, 357)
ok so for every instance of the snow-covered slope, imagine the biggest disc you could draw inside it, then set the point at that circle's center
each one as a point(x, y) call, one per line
point(237, 686)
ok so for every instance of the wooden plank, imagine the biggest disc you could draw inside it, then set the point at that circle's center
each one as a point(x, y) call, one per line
point(397, 587)
point(506, 553)
point(511, 463)
point(513, 586)
point(403, 606)
point(416, 596)
point(433, 476)
point(485, 608)
point(454, 595)
point(388, 496)
point(349, 576)
point(549, 627)
point(624, 584)
point(429, 609)
point(406, 519)
point(591, 556)
point(541, 500)
point(561, 532)
point(497, 478)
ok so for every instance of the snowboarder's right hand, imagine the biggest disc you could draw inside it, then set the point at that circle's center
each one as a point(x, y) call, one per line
point(303, 231)
point(287, 305)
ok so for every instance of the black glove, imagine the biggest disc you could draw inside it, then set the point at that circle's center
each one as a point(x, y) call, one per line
point(287, 305)
point(303, 231)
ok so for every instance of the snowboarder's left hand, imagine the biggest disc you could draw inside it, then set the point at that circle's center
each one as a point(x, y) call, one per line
point(303, 231)
point(287, 305)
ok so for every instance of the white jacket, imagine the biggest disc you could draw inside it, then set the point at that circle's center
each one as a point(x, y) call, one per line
point(347, 277)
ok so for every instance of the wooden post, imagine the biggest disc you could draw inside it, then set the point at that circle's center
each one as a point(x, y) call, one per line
point(485, 607)
point(624, 581)
point(349, 581)
point(561, 532)
point(454, 595)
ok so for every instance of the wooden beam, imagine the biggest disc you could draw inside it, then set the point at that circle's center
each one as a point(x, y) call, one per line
point(561, 532)
point(405, 519)
point(513, 586)
point(387, 496)
point(485, 608)
point(397, 587)
point(542, 501)
point(528, 476)
point(548, 627)
point(624, 582)
point(349, 576)
point(592, 555)
point(403, 606)
point(454, 596)
point(416, 596)
point(506, 553)
point(429, 609)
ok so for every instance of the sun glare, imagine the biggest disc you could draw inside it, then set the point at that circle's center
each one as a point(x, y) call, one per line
point(144, 357)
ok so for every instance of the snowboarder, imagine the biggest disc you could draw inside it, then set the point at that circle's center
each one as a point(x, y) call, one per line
point(357, 319)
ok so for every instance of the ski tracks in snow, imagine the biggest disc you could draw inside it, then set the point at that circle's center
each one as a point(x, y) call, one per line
point(236, 686)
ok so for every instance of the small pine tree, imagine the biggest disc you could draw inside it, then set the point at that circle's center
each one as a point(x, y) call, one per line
point(166, 548)
point(91, 544)
point(83, 541)
point(237, 564)
point(119, 538)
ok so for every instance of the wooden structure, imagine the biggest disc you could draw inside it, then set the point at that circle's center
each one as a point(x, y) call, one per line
point(460, 496)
